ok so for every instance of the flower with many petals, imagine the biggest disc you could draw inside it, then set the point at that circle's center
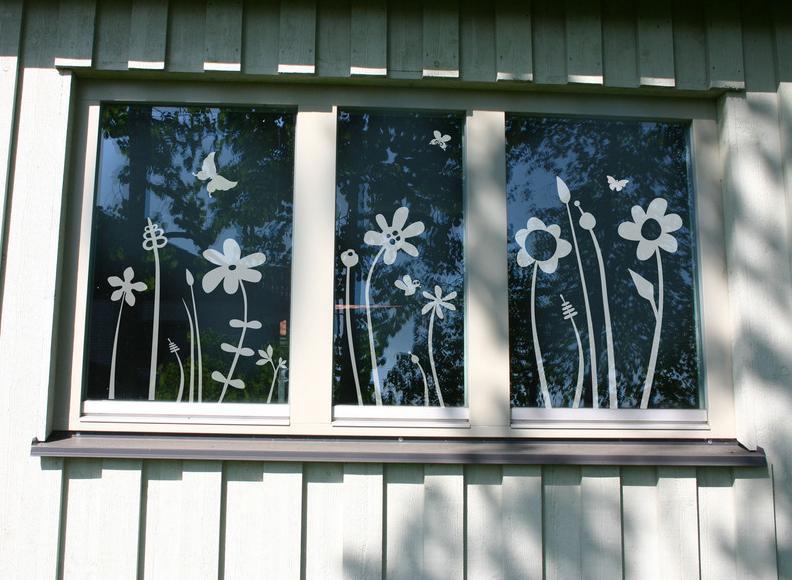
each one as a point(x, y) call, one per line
point(125, 287)
point(545, 257)
point(652, 229)
point(232, 268)
point(437, 302)
point(393, 237)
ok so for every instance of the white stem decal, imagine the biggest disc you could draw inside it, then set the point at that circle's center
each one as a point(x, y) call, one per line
point(587, 222)
point(569, 313)
point(537, 349)
point(125, 292)
point(372, 351)
point(563, 195)
point(650, 369)
point(153, 240)
point(275, 371)
point(192, 352)
point(239, 349)
point(417, 361)
point(174, 348)
point(111, 391)
point(190, 282)
point(432, 362)
point(350, 260)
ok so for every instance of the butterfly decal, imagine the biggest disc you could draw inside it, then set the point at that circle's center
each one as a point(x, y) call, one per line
point(216, 181)
point(440, 140)
point(617, 184)
point(407, 284)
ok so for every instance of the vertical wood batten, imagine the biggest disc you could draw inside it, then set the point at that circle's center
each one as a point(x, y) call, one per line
point(368, 38)
point(261, 30)
point(183, 506)
point(640, 523)
point(562, 523)
point(443, 522)
point(362, 510)
point(404, 515)
point(313, 256)
point(724, 44)
point(601, 511)
point(522, 521)
point(758, 47)
point(513, 40)
point(655, 44)
point(755, 524)
point(333, 42)
point(486, 308)
point(263, 527)
point(717, 534)
point(186, 30)
point(484, 533)
point(148, 31)
point(297, 34)
point(113, 35)
point(549, 42)
point(782, 28)
point(405, 40)
point(620, 57)
point(324, 549)
point(583, 42)
point(102, 519)
point(76, 20)
point(690, 45)
point(441, 39)
point(223, 42)
point(677, 509)
point(10, 38)
point(477, 41)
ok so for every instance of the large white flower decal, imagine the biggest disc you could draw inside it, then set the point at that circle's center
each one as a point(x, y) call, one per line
point(126, 287)
point(549, 264)
point(644, 222)
point(393, 237)
point(232, 268)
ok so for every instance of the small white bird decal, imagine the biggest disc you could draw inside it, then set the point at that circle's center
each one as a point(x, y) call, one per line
point(407, 285)
point(216, 181)
point(440, 140)
point(617, 184)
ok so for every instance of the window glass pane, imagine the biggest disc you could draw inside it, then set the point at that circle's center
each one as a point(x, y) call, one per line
point(191, 259)
point(601, 264)
point(399, 266)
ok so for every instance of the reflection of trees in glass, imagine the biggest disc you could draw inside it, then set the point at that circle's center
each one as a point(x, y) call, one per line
point(385, 161)
point(147, 159)
point(653, 157)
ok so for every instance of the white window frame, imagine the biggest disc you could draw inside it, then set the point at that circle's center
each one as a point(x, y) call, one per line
point(310, 410)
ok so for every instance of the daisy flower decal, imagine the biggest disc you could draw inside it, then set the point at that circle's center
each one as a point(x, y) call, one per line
point(546, 260)
point(126, 288)
point(232, 269)
point(652, 229)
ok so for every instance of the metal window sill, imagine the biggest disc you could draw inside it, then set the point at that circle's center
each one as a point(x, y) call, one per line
point(703, 453)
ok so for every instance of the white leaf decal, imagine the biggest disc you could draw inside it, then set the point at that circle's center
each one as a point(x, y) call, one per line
point(563, 190)
point(644, 287)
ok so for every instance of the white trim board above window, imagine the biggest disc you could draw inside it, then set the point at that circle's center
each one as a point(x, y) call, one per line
point(487, 411)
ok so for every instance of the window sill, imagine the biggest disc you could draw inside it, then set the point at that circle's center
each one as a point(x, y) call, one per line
point(649, 419)
point(162, 412)
point(721, 453)
point(397, 416)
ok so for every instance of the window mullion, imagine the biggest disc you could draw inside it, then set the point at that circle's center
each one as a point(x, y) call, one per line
point(487, 339)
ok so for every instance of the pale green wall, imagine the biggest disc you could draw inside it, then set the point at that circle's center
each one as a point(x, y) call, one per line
point(113, 518)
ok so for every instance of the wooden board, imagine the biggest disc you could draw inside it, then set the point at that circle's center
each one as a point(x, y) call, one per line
point(148, 32)
point(223, 38)
point(297, 34)
point(368, 38)
point(76, 20)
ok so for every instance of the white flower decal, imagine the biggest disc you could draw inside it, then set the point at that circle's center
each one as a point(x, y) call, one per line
point(393, 237)
point(232, 268)
point(649, 243)
point(437, 302)
point(125, 287)
point(562, 247)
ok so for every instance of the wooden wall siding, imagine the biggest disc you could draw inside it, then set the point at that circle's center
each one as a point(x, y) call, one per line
point(688, 44)
point(192, 519)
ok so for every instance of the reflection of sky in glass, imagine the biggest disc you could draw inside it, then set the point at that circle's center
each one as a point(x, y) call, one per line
point(652, 156)
point(385, 161)
point(148, 158)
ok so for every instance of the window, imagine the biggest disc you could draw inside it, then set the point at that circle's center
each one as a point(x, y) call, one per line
point(399, 270)
point(190, 267)
point(602, 275)
point(397, 256)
